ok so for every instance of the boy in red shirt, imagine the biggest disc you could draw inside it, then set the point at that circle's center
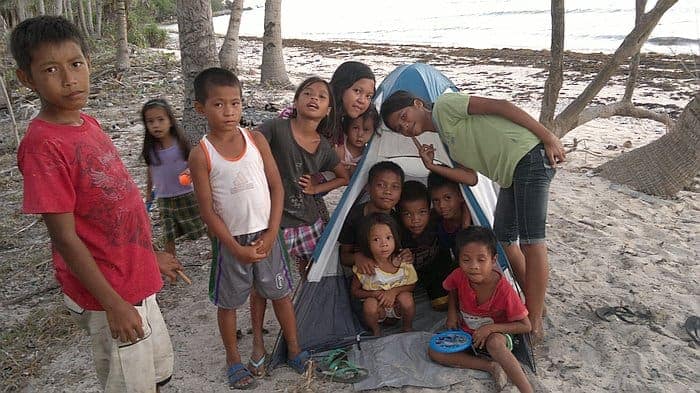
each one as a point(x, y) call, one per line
point(101, 237)
point(489, 309)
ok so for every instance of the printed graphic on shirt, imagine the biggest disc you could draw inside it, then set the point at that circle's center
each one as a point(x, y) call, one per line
point(474, 321)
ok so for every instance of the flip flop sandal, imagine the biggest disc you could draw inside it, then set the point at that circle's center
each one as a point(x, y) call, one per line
point(250, 331)
point(237, 373)
point(336, 367)
point(692, 326)
point(258, 368)
point(621, 312)
point(299, 362)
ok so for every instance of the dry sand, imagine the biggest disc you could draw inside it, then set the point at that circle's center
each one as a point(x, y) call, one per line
point(608, 245)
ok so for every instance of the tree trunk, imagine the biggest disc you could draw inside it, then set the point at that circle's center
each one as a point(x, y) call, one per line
point(22, 10)
point(272, 70)
point(88, 17)
point(556, 69)
point(665, 166)
point(99, 8)
point(568, 119)
point(58, 7)
point(198, 49)
point(68, 10)
point(42, 7)
point(640, 5)
point(122, 43)
point(81, 15)
point(228, 54)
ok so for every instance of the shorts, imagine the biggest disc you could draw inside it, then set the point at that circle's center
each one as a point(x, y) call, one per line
point(521, 210)
point(484, 352)
point(301, 241)
point(128, 367)
point(180, 216)
point(230, 281)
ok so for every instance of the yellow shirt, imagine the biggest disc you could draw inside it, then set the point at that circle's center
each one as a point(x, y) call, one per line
point(383, 281)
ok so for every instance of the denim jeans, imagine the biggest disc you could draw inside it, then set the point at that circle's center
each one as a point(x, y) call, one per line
point(521, 210)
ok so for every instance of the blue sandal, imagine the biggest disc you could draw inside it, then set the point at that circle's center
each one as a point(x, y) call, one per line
point(236, 373)
point(299, 363)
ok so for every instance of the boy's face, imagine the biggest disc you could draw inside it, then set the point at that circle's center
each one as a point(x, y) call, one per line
point(415, 215)
point(60, 74)
point(385, 190)
point(359, 132)
point(447, 202)
point(476, 261)
point(223, 108)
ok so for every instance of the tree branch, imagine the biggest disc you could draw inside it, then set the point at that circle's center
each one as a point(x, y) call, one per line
point(622, 108)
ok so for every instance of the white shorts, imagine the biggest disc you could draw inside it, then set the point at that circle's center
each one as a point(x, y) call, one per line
point(128, 367)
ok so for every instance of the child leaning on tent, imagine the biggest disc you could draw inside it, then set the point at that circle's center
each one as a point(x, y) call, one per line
point(483, 303)
point(240, 195)
point(101, 236)
point(503, 142)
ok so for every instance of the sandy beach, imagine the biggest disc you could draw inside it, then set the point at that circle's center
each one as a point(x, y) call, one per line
point(609, 246)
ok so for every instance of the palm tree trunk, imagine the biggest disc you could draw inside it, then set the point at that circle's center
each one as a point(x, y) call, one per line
point(228, 54)
point(665, 166)
point(272, 70)
point(88, 17)
point(198, 51)
point(122, 43)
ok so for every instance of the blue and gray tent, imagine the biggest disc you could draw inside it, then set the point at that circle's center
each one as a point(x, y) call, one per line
point(325, 318)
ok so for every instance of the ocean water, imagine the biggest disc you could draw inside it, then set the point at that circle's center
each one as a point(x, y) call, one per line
point(591, 25)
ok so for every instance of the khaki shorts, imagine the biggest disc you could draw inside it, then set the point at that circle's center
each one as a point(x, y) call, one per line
point(126, 367)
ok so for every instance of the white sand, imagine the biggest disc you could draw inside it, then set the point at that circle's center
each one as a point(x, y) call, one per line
point(607, 247)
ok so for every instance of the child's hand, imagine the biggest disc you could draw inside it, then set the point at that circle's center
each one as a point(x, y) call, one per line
point(250, 254)
point(481, 335)
point(307, 184)
point(404, 256)
point(265, 242)
point(386, 298)
point(426, 152)
point(554, 150)
point(364, 264)
point(168, 265)
point(124, 322)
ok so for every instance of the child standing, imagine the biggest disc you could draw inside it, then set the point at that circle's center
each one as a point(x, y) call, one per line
point(503, 142)
point(300, 151)
point(165, 151)
point(357, 132)
point(240, 196)
point(483, 303)
point(102, 251)
point(388, 293)
point(432, 261)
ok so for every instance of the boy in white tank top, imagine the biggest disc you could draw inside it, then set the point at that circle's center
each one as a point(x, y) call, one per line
point(240, 194)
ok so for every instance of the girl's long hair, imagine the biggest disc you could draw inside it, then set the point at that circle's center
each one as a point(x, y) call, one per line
point(325, 127)
point(345, 76)
point(149, 151)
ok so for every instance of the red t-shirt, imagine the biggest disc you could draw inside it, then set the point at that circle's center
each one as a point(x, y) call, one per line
point(76, 169)
point(503, 306)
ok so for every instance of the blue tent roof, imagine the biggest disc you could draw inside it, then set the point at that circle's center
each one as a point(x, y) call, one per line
point(423, 80)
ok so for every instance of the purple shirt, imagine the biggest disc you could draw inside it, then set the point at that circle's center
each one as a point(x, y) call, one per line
point(165, 175)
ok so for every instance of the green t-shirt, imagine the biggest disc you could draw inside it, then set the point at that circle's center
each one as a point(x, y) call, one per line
point(489, 144)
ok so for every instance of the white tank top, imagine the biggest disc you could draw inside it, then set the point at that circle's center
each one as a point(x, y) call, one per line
point(239, 187)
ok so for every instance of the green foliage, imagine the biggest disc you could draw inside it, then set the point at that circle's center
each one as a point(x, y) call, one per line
point(218, 5)
point(155, 36)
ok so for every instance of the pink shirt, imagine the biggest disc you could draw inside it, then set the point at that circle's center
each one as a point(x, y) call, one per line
point(503, 306)
point(76, 169)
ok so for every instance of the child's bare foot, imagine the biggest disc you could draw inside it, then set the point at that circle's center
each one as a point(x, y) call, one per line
point(499, 376)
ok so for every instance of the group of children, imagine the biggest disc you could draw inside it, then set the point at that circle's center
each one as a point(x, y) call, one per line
point(254, 191)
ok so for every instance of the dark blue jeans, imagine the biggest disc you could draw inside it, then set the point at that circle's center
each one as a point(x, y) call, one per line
point(521, 210)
